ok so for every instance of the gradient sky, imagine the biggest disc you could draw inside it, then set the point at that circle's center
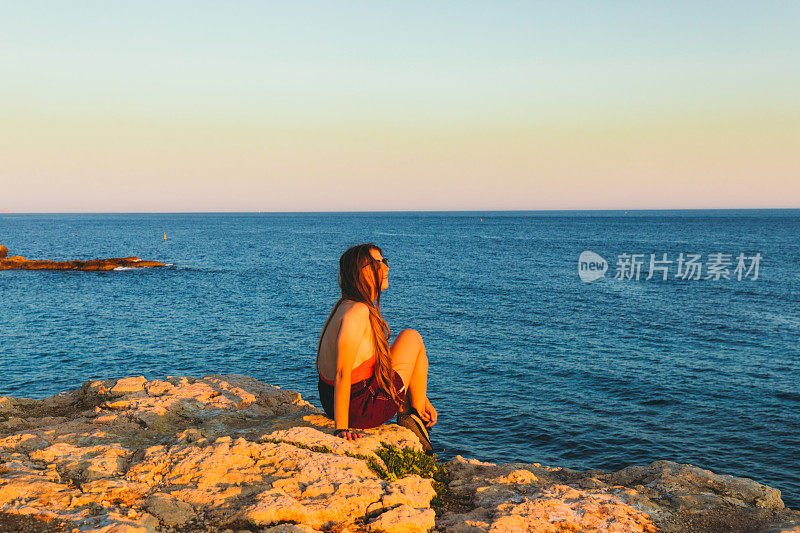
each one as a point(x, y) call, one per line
point(364, 106)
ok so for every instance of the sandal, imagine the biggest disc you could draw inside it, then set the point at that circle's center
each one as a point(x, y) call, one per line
point(413, 422)
point(429, 429)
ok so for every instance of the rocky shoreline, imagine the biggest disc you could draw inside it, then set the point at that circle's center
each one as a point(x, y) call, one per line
point(230, 453)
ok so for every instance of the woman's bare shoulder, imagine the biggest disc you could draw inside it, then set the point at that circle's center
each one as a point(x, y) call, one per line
point(350, 311)
point(355, 309)
point(356, 315)
point(358, 307)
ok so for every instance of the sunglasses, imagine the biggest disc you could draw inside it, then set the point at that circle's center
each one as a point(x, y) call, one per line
point(385, 261)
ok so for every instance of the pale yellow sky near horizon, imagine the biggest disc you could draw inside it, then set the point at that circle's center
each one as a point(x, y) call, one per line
point(145, 165)
point(152, 123)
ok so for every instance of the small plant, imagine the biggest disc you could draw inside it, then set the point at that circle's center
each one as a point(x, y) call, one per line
point(403, 461)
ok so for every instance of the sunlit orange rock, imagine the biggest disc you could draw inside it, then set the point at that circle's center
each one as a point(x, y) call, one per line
point(17, 262)
point(229, 452)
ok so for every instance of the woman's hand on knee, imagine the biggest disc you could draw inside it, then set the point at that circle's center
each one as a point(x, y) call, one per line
point(428, 413)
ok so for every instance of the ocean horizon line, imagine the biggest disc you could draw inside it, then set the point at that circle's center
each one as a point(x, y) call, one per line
point(427, 211)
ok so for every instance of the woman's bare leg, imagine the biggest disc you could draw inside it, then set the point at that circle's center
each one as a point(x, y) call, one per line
point(410, 360)
point(418, 389)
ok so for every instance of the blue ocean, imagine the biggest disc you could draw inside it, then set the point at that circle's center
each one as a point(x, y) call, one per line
point(528, 362)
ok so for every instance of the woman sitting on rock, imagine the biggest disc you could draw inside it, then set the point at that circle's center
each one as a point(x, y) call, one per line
point(363, 381)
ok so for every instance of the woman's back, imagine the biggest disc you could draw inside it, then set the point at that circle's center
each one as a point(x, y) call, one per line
point(326, 360)
point(383, 379)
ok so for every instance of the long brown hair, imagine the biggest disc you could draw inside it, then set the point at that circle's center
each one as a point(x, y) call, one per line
point(355, 288)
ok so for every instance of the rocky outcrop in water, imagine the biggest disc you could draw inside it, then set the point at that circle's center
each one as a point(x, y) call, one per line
point(230, 453)
point(17, 262)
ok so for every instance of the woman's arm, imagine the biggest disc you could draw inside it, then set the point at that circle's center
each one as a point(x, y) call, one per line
point(353, 328)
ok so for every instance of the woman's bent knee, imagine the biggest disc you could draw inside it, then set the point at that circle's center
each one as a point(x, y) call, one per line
point(412, 333)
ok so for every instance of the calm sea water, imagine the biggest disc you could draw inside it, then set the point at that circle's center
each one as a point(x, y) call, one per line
point(528, 363)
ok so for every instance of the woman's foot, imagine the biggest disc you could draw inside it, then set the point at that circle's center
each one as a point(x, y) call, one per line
point(412, 421)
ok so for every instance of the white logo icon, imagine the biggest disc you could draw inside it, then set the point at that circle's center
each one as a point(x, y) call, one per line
point(591, 266)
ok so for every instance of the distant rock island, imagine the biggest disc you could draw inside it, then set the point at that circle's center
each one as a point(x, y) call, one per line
point(17, 262)
point(229, 453)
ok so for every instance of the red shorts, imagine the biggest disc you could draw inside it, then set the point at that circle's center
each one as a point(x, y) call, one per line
point(370, 406)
